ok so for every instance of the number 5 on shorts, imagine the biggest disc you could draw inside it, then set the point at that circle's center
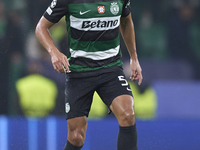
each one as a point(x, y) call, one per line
point(121, 78)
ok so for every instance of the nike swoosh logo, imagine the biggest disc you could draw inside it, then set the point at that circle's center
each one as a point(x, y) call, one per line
point(82, 13)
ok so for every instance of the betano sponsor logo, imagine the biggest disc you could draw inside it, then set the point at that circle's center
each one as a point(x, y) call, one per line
point(94, 24)
point(99, 24)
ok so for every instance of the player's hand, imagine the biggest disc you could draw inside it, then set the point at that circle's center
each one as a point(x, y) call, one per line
point(60, 62)
point(136, 71)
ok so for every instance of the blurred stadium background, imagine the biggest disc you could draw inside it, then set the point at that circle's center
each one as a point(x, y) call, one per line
point(167, 105)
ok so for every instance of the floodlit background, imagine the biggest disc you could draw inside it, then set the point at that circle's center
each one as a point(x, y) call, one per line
point(167, 103)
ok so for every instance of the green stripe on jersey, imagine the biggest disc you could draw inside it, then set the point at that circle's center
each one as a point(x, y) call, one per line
point(88, 10)
point(82, 68)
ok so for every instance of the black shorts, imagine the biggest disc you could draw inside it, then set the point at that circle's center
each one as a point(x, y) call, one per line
point(80, 87)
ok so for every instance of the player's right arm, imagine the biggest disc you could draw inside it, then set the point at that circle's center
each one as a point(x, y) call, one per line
point(53, 14)
point(58, 59)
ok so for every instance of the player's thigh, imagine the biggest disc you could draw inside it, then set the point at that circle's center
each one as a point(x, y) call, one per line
point(78, 96)
point(113, 85)
point(123, 108)
point(121, 104)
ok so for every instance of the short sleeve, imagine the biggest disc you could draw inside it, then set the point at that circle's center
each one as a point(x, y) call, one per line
point(126, 8)
point(56, 10)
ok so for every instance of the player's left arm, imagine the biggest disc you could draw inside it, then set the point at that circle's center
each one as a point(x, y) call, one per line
point(128, 34)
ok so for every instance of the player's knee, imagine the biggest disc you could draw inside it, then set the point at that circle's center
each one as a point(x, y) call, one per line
point(127, 118)
point(77, 138)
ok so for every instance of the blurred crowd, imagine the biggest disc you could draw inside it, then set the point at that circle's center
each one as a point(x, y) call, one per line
point(167, 37)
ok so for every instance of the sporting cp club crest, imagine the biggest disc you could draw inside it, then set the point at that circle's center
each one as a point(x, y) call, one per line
point(114, 8)
point(67, 107)
point(101, 9)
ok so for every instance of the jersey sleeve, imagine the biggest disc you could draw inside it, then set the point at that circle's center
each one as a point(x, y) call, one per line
point(56, 10)
point(126, 8)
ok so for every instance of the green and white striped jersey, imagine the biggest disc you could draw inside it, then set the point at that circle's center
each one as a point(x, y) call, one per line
point(93, 31)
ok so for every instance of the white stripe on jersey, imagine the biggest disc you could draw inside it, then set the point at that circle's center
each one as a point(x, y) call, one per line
point(95, 24)
point(100, 55)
